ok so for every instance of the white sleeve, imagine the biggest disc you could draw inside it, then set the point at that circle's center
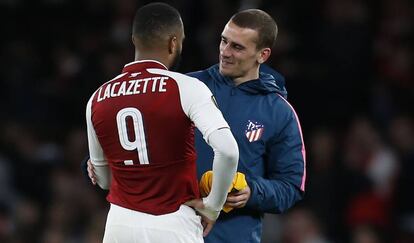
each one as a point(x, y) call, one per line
point(199, 105)
point(197, 102)
point(203, 111)
point(226, 157)
point(98, 159)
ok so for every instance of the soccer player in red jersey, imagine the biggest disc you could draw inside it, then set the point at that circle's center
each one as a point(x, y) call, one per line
point(141, 140)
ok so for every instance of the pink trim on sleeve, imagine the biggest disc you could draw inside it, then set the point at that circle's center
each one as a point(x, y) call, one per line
point(302, 186)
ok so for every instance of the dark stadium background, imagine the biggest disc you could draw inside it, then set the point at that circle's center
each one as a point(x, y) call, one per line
point(349, 68)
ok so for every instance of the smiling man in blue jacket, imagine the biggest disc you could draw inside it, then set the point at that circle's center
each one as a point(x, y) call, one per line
point(265, 125)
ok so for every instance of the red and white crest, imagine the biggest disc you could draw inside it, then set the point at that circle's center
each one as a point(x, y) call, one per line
point(254, 131)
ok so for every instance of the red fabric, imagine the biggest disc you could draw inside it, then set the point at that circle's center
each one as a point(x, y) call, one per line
point(368, 208)
point(169, 179)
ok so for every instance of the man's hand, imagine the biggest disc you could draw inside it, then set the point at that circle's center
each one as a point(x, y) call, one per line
point(91, 172)
point(206, 222)
point(238, 199)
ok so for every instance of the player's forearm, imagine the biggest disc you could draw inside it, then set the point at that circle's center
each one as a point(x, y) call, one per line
point(103, 176)
point(226, 156)
point(96, 154)
point(272, 196)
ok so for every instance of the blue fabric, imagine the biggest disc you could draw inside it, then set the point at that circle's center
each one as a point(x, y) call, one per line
point(273, 165)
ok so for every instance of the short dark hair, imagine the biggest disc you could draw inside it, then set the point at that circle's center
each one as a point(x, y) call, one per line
point(260, 21)
point(155, 21)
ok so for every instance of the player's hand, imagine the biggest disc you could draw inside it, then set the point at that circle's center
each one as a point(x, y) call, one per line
point(207, 223)
point(91, 172)
point(238, 199)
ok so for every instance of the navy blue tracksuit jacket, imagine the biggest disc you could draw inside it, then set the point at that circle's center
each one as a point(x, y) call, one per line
point(272, 152)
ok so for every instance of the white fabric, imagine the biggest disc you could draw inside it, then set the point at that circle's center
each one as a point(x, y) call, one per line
point(197, 102)
point(98, 159)
point(226, 157)
point(125, 225)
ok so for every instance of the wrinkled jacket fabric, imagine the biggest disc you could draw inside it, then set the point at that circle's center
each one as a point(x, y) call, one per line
point(273, 160)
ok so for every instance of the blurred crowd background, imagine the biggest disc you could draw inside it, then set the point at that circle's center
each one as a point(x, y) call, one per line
point(349, 68)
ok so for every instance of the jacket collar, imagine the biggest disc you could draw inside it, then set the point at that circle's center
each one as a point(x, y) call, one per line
point(266, 83)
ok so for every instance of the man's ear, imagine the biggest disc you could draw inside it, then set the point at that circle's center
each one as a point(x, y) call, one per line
point(133, 39)
point(172, 44)
point(264, 54)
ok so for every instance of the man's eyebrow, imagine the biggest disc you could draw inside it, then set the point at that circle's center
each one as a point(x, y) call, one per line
point(233, 43)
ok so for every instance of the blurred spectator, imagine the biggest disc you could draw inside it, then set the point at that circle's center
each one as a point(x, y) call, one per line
point(371, 158)
point(6, 223)
point(301, 226)
point(324, 186)
point(401, 132)
point(367, 234)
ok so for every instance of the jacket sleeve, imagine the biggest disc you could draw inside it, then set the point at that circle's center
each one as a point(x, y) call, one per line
point(284, 181)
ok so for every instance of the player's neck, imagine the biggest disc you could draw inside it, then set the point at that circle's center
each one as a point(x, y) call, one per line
point(151, 56)
point(250, 75)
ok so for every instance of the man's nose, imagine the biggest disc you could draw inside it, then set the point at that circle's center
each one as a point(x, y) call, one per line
point(225, 50)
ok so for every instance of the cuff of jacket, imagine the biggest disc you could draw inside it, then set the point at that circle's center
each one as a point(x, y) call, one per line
point(255, 196)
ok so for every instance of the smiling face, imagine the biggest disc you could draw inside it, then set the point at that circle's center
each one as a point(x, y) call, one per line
point(239, 56)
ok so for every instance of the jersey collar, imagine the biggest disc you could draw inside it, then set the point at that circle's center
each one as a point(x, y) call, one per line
point(143, 64)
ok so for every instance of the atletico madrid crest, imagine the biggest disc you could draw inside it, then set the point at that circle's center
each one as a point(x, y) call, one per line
point(254, 131)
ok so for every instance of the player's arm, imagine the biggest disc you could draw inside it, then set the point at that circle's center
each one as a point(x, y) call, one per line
point(226, 156)
point(224, 164)
point(199, 105)
point(285, 168)
point(97, 157)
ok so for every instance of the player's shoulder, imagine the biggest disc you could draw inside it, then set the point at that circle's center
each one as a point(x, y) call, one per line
point(281, 107)
point(119, 76)
point(201, 74)
point(275, 100)
point(180, 78)
point(281, 101)
point(116, 78)
point(174, 75)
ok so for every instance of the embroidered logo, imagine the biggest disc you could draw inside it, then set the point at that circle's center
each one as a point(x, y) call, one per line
point(254, 131)
point(134, 75)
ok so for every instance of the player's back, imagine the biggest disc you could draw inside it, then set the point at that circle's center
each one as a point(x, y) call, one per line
point(146, 138)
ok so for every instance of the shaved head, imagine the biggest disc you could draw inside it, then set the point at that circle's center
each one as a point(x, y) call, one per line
point(155, 23)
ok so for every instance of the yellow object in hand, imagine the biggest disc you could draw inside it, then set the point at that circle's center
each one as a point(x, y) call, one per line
point(239, 183)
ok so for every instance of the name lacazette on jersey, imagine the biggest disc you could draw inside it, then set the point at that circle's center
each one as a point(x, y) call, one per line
point(133, 87)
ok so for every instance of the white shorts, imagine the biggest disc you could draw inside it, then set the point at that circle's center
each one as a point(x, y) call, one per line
point(129, 226)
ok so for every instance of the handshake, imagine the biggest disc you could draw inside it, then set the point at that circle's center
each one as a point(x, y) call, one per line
point(239, 192)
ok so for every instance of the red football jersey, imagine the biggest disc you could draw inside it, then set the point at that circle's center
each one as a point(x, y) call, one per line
point(141, 124)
